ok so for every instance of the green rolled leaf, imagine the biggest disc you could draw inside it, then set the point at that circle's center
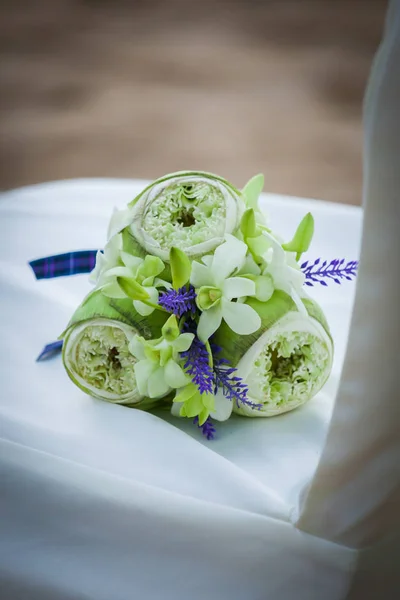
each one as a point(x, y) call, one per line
point(190, 210)
point(96, 352)
point(302, 238)
point(286, 362)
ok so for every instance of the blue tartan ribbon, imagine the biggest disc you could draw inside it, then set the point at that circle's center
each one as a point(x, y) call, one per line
point(63, 265)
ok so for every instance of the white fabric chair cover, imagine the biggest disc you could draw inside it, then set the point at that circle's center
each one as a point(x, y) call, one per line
point(104, 503)
point(355, 495)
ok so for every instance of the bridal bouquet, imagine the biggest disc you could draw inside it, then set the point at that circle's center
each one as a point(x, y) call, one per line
point(198, 305)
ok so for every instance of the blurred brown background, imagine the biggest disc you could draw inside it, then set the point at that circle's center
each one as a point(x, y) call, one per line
point(137, 88)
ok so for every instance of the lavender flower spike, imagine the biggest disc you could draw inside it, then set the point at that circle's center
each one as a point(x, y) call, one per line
point(232, 386)
point(207, 429)
point(337, 270)
point(198, 367)
point(179, 302)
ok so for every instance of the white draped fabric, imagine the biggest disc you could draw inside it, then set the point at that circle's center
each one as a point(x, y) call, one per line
point(99, 497)
point(355, 496)
point(101, 502)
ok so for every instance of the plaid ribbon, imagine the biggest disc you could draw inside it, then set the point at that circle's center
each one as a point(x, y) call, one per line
point(63, 265)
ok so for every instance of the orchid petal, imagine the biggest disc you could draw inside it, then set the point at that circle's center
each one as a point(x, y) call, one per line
point(235, 287)
point(143, 370)
point(143, 309)
point(133, 289)
point(208, 401)
point(241, 318)
point(180, 267)
point(207, 260)
point(248, 225)
point(200, 275)
point(130, 261)
point(153, 294)
point(223, 407)
point(119, 272)
point(203, 416)
point(228, 257)
point(152, 266)
point(209, 322)
point(157, 386)
point(176, 409)
point(175, 375)
point(302, 238)
point(250, 267)
point(183, 342)
point(100, 261)
point(264, 287)
point(136, 347)
point(161, 283)
point(253, 189)
point(119, 220)
point(194, 405)
point(257, 245)
point(170, 330)
point(112, 290)
point(185, 393)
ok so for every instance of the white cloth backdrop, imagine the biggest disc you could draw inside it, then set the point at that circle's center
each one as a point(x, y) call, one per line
point(105, 503)
point(97, 497)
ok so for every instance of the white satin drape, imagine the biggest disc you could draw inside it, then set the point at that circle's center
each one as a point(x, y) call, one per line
point(101, 502)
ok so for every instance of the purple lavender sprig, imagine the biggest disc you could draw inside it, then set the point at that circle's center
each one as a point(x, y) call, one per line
point(232, 386)
point(179, 302)
point(207, 429)
point(336, 270)
point(197, 365)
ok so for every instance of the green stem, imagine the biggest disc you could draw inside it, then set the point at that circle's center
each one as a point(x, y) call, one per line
point(210, 356)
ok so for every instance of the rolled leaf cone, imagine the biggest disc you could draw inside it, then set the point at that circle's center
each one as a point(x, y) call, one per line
point(95, 349)
point(286, 362)
point(190, 210)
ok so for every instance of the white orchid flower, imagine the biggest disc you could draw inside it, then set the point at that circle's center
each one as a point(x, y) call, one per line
point(106, 260)
point(220, 410)
point(119, 220)
point(138, 274)
point(281, 266)
point(218, 290)
point(158, 370)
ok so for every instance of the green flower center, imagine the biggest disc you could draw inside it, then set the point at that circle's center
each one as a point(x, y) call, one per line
point(186, 218)
point(103, 360)
point(207, 297)
point(289, 371)
point(184, 215)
